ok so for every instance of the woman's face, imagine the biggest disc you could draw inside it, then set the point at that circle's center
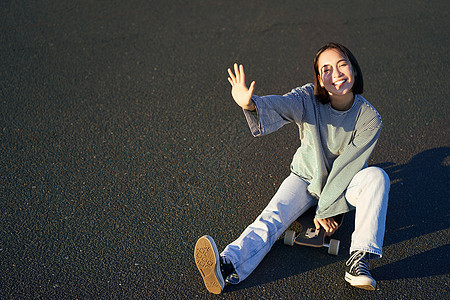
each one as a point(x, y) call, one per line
point(336, 74)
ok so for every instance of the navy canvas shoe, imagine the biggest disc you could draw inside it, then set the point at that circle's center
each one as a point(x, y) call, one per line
point(214, 269)
point(357, 271)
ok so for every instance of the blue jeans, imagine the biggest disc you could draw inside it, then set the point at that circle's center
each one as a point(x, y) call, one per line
point(367, 192)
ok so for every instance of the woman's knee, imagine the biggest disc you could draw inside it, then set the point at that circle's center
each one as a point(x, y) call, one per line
point(378, 175)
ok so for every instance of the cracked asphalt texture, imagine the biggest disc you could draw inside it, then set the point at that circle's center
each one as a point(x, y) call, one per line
point(121, 145)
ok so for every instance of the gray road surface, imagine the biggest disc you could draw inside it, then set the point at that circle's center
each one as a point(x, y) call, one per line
point(121, 145)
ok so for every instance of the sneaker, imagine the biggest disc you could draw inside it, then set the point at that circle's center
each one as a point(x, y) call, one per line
point(208, 263)
point(357, 271)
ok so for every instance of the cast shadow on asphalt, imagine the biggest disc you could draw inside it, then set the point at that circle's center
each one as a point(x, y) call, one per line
point(418, 206)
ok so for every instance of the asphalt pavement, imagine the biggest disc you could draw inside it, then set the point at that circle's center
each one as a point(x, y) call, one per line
point(121, 145)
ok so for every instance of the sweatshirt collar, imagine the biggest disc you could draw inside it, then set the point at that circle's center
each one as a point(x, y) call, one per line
point(343, 112)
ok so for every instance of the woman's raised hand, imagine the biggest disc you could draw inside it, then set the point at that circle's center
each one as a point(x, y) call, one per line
point(241, 94)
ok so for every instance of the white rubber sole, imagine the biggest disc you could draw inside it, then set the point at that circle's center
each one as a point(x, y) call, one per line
point(207, 260)
point(362, 282)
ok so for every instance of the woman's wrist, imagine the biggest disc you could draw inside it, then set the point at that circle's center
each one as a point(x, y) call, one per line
point(251, 106)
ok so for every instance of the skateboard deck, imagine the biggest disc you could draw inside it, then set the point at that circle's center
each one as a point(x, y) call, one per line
point(308, 235)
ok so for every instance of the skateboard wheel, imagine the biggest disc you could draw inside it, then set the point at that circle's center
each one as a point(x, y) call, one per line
point(289, 237)
point(333, 248)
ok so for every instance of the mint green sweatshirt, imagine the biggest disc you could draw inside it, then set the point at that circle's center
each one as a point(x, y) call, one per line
point(335, 145)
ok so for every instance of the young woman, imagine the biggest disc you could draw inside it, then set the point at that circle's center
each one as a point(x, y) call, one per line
point(338, 132)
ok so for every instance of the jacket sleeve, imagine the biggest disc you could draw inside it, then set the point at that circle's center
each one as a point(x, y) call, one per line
point(275, 111)
point(332, 200)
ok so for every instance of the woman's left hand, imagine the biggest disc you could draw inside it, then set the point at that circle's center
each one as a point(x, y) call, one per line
point(329, 224)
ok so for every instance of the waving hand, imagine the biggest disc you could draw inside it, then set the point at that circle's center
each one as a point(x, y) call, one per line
point(241, 94)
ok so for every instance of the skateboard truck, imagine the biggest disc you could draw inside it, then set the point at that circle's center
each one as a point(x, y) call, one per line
point(312, 233)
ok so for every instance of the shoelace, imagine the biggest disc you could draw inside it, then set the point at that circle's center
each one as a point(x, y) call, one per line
point(225, 260)
point(358, 263)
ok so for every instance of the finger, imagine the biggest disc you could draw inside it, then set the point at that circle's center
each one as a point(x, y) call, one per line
point(252, 87)
point(324, 225)
point(232, 77)
point(333, 224)
point(316, 222)
point(236, 71)
point(331, 232)
point(230, 81)
point(335, 227)
point(242, 73)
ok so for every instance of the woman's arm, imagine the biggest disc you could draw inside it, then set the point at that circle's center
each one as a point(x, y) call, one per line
point(345, 167)
point(267, 114)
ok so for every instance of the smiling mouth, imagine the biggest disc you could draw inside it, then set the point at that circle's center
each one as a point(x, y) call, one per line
point(339, 82)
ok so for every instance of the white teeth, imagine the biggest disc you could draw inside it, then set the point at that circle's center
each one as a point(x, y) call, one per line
point(339, 82)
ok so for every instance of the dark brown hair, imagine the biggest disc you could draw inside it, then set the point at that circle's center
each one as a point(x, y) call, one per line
point(321, 93)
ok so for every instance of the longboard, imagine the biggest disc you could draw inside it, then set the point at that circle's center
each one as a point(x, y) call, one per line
point(309, 235)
